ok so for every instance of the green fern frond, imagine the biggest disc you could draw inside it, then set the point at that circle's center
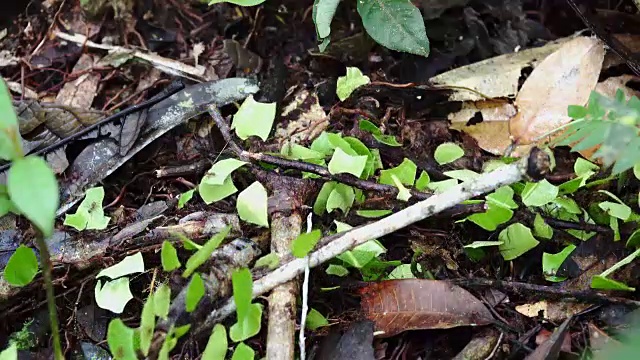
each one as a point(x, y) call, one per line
point(610, 123)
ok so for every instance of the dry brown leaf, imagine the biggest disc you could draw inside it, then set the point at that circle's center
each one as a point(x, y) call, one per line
point(400, 305)
point(564, 78)
point(495, 77)
point(492, 134)
point(556, 311)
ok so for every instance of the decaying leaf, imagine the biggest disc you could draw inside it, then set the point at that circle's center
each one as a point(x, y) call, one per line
point(492, 132)
point(302, 119)
point(408, 304)
point(552, 311)
point(564, 78)
point(495, 77)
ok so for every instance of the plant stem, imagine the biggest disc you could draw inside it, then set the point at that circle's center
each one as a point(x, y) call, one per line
point(51, 300)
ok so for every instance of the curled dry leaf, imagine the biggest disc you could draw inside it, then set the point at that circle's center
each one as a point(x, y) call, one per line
point(563, 78)
point(409, 304)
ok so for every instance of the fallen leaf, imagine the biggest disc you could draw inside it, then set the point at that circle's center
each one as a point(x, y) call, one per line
point(563, 78)
point(550, 349)
point(409, 304)
point(492, 132)
point(553, 311)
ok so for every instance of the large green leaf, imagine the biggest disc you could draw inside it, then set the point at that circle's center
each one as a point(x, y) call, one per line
point(323, 12)
point(34, 191)
point(22, 267)
point(395, 24)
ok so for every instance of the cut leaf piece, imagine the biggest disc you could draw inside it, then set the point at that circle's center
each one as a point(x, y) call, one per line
point(200, 256)
point(304, 243)
point(604, 283)
point(348, 83)
point(405, 172)
point(423, 181)
point(195, 292)
point(400, 305)
point(341, 197)
point(541, 228)
point(539, 193)
point(185, 197)
point(341, 162)
point(372, 214)
point(216, 348)
point(551, 263)
point(447, 153)
point(120, 338)
point(212, 193)
point(323, 12)
point(161, 301)
point(337, 270)
point(114, 295)
point(169, 257)
point(89, 215)
point(481, 244)
point(129, 265)
point(243, 352)
point(315, 320)
point(254, 119)
point(22, 267)
point(147, 325)
point(252, 205)
point(270, 261)
point(517, 239)
point(395, 24)
point(221, 170)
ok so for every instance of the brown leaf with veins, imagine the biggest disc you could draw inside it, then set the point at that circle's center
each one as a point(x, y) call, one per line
point(563, 78)
point(410, 304)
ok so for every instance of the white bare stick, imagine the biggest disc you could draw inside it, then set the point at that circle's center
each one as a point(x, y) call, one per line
point(169, 66)
point(504, 175)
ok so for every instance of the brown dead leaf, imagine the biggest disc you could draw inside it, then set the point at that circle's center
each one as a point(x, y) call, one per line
point(556, 311)
point(495, 77)
point(545, 334)
point(551, 347)
point(563, 78)
point(408, 304)
point(492, 134)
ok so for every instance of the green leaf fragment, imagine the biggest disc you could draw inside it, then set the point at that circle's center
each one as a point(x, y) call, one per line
point(89, 215)
point(238, 2)
point(442, 186)
point(315, 320)
point(541, 229)
point(341, 197)
point(517, 240)
point(129, 265)
point(341, 162)
point(147, 324)
point(243, 352)
point(203, 254)
point(480, 244)
point(604, 283)
point(539, 193)
point(185, 197)
point(269, 261)
point(254, 119)
point(120, 340)
point(405, 172)
point(252, 205)
point(619, 211)
point(22, 267)
point(169, 257)
point(162, 301)
point(212, 193)
point(33, 189)
point(195, 292)
point(351, 81)
point(323, 12)
point(221, 170)
point(423, 181)
point(337, 270)
point(114, 295)
point(373, 214)
point(217, 344)
point(403, 193)
point(447, 153)
point(304, 243)
point(551, 262)
point(10, 353)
